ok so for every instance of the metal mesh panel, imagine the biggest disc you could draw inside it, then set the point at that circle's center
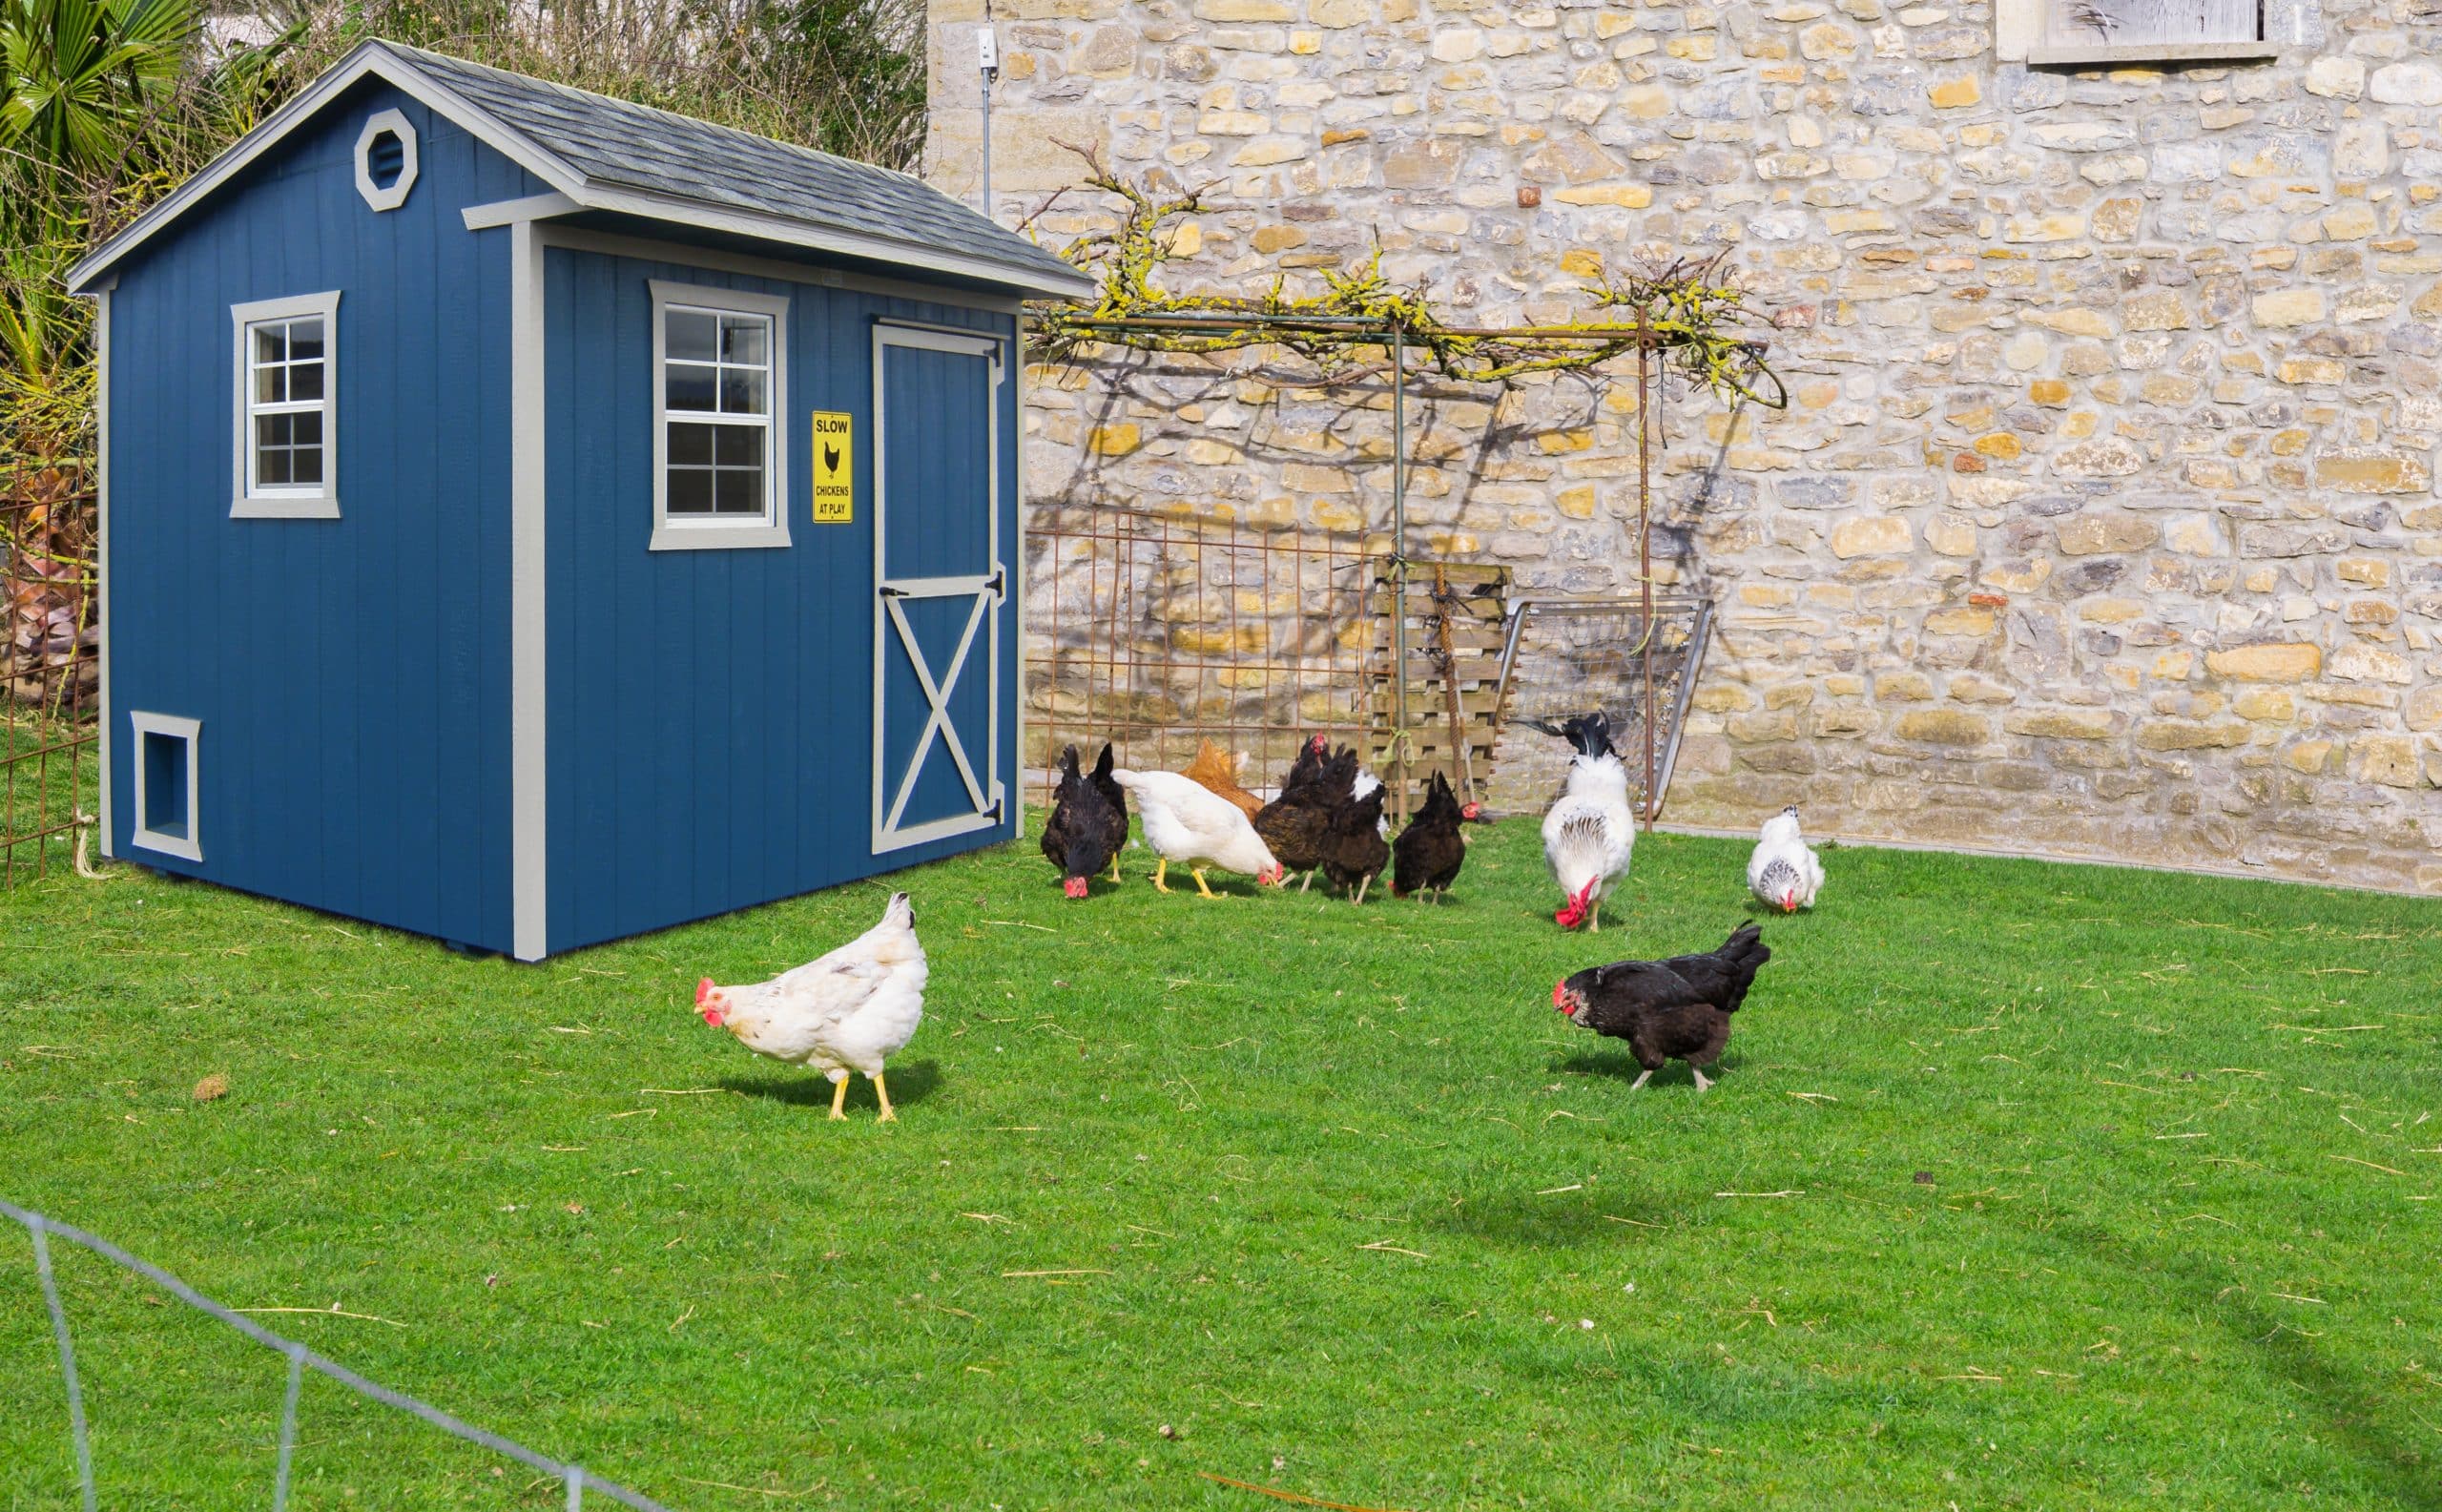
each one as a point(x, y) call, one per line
point(1565, 658)
point(1155, 633)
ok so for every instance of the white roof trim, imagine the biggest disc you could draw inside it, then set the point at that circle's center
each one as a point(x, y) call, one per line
point(370, 57)
point(625, 200)
point(401, 73)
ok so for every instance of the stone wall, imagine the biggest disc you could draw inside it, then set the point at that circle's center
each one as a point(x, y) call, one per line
point(2103, 522)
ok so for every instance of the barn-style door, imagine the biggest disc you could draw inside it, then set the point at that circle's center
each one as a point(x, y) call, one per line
point(939, 586)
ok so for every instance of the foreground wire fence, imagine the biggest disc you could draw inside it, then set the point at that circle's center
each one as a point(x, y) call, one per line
point(575, 1478)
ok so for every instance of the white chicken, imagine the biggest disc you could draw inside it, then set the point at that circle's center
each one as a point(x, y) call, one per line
point(849, 1012)
point(1784, 871)
point(1590, 832)
point(1190, 823)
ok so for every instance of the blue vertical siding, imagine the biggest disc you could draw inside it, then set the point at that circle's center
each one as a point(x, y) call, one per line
point(711, 711)
point(351, 674)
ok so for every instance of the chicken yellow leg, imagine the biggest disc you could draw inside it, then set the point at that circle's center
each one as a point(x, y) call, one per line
point(1197, 872)
point(1114, 866)
point(1161, 868)
point(889, 1114)
point(839, 1099)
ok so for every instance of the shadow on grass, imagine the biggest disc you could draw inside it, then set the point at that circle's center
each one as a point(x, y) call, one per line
point(1536, 1223)
point(910, 1084)
point(2352, 1402)
point(1624, 1068)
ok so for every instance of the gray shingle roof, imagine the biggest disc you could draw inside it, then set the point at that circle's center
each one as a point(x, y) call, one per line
point(614, 142)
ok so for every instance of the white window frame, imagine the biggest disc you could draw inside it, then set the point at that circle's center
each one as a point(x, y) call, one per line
point(689, 533)
point(2021, 35)
point(190, 845)
point(397, 124)
point(253, 500)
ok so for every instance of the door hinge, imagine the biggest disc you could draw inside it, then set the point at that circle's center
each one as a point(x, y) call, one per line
point(996, 585)
point(888, 592)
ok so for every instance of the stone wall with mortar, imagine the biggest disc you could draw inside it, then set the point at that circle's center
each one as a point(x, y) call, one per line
point(2103, 522)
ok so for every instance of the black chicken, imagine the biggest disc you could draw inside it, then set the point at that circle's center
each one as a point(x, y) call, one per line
point(1084, 832)
point(1116, 797)
point(1674, 1009)
point(1296, 825)
point(1426, 857)
point(1353, 850)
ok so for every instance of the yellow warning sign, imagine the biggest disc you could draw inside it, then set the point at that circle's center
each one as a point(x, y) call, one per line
point(835, 467)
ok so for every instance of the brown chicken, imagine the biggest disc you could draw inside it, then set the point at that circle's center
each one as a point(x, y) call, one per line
point(1296, 825)
point(1213, 771)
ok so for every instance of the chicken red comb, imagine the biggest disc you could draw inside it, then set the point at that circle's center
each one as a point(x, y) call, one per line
point(704, 988)
point(1560, 993)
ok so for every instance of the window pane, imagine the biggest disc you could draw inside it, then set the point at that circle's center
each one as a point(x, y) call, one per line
point(305, 381)
point(741, 491)
point(271, 384)
point(272, 430)
point(691, 445)
point(306, 464)
point(740, 446)
point(690, 387)
point(688, 335)
point(742, 339)
point(271, 465)
point(741, 391)
point(304, 339)
point(306, 429)
point(690, 490)
point(271, 343)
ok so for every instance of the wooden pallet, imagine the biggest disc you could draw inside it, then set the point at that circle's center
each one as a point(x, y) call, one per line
point(1461, 649)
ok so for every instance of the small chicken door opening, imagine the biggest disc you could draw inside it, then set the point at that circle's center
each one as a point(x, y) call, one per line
point(939, 586)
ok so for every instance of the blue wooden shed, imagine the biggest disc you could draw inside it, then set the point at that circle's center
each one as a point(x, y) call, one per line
point(530, 519)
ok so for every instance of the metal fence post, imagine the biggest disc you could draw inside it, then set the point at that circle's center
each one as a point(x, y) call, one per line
point(577, 1488)
point(66, 1359)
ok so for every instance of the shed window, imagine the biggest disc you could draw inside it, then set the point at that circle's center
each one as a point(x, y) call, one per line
point(287, 381)
point(719, 363)
point(2096, 31)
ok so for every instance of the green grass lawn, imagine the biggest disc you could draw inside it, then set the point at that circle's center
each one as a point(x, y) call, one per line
point(2025, 1185)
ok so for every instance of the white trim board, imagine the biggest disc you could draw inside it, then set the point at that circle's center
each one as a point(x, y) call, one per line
point(988, 791)
point(529, 629)
point(652, 249)
point(377, 59)
point(714, 534)
point(102, 548)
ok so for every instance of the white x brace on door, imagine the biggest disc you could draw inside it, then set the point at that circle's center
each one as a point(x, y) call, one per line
point(939, 586)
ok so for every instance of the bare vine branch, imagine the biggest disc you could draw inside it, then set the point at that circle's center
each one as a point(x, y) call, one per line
point(1692, 312)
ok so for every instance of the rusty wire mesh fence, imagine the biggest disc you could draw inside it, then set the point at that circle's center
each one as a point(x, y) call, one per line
point(1569, 657)
point(49, 662)
point(1156, 634)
